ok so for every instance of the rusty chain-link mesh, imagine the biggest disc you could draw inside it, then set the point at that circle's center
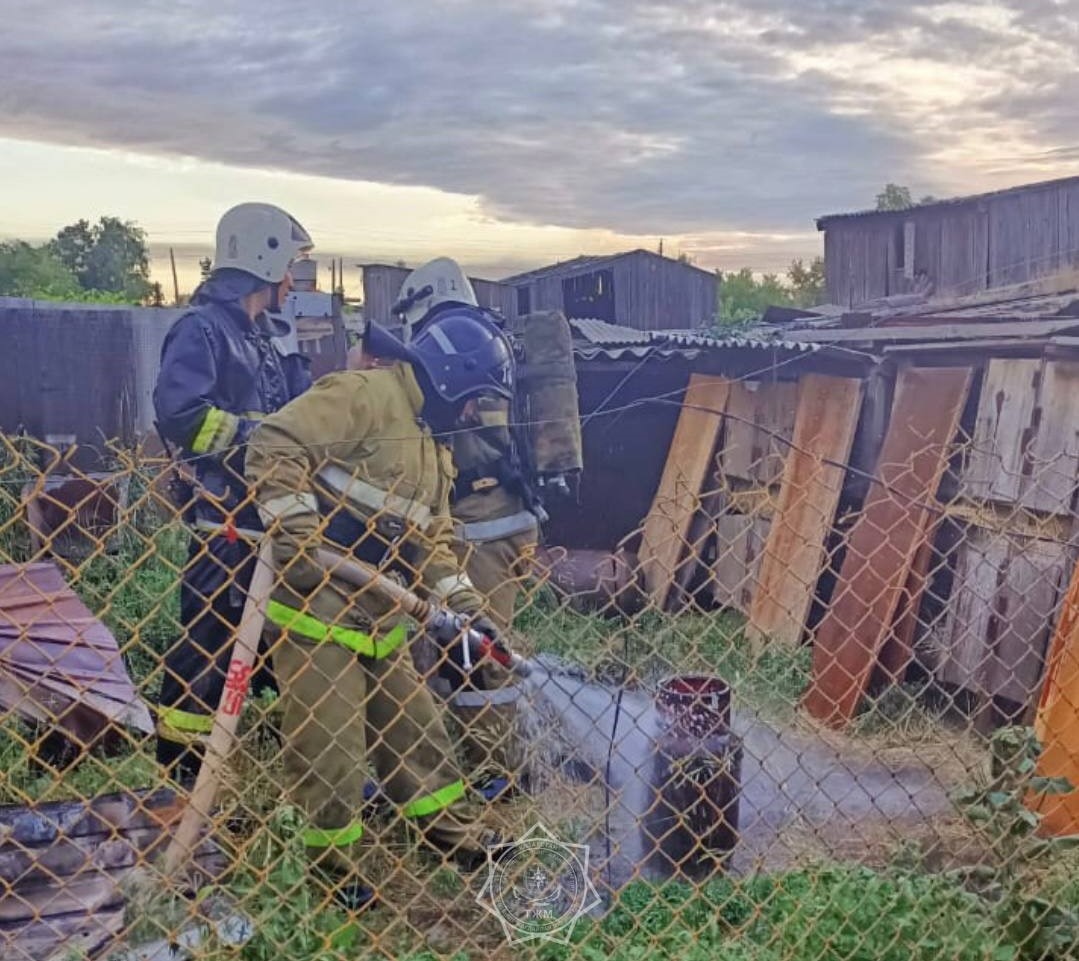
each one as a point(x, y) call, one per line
point(795, 715)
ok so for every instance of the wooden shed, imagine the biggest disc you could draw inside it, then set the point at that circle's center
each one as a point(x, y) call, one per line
point(637, 289)
point(382, 284)
point(953, 247)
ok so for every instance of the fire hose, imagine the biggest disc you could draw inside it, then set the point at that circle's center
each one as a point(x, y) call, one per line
point(438, 620)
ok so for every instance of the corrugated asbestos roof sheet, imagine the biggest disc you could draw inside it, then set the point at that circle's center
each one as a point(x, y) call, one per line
point(601, 332)
point(613, 342)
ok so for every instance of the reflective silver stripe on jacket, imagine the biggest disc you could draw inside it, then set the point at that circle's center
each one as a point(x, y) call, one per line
point(373, 498)
point(495, 530)
point(219, 530)
point(496, 696)
point(287, 505)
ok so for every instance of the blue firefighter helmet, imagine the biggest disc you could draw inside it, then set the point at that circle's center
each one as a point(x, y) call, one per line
point(464, 355)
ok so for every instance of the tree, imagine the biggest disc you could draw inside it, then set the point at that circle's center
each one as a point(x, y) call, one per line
point(109, 256)
point(27, 271)
point(806, 283)
point(743, 298)
point(894, 197)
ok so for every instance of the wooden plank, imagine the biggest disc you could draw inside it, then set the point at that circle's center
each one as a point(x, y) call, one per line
point(1024, 612)
point(994, 468)
point(732, 550)
point(1051, 467)
point(666, 528)
point(979, 572)
point(759, 418)
point(898, 649)
point(793, 556)
point(884, 539)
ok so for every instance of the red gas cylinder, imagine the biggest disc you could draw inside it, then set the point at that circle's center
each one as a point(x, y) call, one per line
point(693, 824)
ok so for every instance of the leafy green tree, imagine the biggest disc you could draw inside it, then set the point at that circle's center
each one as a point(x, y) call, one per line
point(743, 298)
point(110, 256)
point(894, 197)
point(28, 271)
point(806, 283)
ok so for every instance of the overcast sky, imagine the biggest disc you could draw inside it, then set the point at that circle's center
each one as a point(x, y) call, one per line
point(510, 132)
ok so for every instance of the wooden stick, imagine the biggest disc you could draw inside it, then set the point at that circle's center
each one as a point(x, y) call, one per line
point(223, 735)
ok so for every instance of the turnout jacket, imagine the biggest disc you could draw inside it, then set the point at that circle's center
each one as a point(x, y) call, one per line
point(351, 466)
point(220, 374)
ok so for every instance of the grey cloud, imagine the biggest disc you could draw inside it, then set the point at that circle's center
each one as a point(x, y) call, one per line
point(634, 115)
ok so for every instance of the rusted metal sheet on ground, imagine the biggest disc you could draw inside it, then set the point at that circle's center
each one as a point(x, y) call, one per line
point(63, 864)
point(688, 466)
point(75, 515)
point(759, 418)
point(1001, 614)
point(1057, 721)
point(882, 544)
point(59, 665)
point(793, 556)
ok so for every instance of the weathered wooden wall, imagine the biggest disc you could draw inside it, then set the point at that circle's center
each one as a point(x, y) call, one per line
point(962, 248)
point(382, 284)
point(650, 292)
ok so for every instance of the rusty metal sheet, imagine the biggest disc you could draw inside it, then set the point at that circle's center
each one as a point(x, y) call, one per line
point(58, 663)
point(689, 460)
point(793, 557)
point(882, 544)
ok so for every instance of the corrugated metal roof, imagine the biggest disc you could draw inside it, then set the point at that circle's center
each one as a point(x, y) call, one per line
point(601, 332)
point(823, 222)
point(691, 338)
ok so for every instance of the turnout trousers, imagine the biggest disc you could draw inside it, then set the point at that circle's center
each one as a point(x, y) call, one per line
point(212, 596)
point(499, 570)
point(342, 709)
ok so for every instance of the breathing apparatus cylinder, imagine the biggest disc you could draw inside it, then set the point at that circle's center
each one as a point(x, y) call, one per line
point(548, 393)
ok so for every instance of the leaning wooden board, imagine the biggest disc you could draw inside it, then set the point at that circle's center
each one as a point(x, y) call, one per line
point(881, 547)
point(824, 426)
point(689, 463)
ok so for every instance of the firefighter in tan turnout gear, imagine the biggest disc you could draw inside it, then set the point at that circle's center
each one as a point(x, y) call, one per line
point(497, 525)
point(357, 464)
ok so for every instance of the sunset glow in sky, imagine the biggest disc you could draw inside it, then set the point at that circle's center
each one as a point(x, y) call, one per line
point(516, 133)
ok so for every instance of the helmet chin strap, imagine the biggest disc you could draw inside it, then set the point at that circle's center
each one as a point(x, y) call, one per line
point(440, 416)
point(274, 306)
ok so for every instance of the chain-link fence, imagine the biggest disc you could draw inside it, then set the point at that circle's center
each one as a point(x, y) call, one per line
point(800, 713)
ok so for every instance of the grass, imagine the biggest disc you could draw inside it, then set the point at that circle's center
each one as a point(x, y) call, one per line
point(651, 646)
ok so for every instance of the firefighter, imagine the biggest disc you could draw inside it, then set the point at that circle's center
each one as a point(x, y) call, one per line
point(496, 533)
point(358, 464)
point(221, 371)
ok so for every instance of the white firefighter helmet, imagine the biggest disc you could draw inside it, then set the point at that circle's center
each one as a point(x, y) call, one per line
point(261, 240)
point(441, 281)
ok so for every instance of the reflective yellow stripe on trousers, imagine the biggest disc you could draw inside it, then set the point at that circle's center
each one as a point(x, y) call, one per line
point(183, 727)
point(313, 629)
point(435, 801)
point(332, 837)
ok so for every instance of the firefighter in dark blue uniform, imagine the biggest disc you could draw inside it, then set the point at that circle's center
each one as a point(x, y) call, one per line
point(221, 371)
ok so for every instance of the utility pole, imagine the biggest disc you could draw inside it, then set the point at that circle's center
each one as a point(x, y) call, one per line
point(175, 282)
